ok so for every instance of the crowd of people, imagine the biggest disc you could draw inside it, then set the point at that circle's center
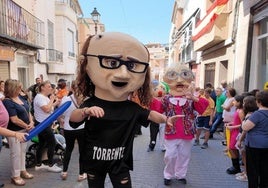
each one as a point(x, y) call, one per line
point(244, 118)
point(231, 113)
point(21, 110)
point(104, 117)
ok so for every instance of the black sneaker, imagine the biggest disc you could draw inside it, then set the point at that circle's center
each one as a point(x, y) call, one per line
point(196, 142)
point(167, 181)
point(183, 180)
point(150, 149)
point(204, 145)
point(233, 170)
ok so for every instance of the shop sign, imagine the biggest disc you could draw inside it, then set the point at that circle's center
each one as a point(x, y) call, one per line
point(6, 53)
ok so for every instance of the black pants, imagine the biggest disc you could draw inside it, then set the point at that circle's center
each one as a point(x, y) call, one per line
point(70, 137)
point(154, 129)
point(138, 130)
point(46, 139)
point(257, 167)
point(119, 180)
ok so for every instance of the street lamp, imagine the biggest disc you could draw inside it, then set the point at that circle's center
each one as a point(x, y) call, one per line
point(96, 18)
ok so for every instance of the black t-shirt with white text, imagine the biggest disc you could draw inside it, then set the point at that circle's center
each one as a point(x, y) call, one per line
point(109, 139)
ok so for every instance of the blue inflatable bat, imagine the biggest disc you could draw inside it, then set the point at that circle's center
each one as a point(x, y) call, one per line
point(48, 121)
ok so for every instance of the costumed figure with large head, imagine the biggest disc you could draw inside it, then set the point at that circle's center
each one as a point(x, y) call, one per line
point(113, 66)
point(159, 89)
point(178, 138)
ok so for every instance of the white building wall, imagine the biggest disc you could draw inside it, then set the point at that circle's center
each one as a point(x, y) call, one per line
point(64, 23)
point(45, 10)
point(41, 9)
point(234, 51)
point(241, 48)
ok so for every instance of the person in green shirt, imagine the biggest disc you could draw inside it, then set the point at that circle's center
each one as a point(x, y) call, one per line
point(217, 120)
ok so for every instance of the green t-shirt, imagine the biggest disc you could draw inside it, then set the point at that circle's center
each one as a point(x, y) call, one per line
point(219, 101)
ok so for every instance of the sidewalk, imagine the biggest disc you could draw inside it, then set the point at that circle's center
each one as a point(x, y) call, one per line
point(207, 169)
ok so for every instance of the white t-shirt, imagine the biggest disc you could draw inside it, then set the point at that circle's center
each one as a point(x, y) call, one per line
point(228, 116)
point(68, 112)
point(39, 101)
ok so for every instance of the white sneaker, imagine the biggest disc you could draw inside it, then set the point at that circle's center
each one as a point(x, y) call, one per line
point(42, 167)
point(242, 178)
point(82, 177)
point(54, 168)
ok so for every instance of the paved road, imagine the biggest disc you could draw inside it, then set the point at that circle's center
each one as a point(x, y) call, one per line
point(206, 170)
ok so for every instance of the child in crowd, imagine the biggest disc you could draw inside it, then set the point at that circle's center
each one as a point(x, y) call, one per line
point(234, 128)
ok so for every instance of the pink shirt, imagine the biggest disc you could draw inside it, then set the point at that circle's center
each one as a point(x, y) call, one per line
point(173, 105)
point(155, 105)
point(237, 120)
point(234, 132)
point(179, 129)
point(4, 116)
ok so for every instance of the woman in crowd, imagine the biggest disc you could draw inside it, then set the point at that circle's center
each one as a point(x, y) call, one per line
point(228, 110)
point(4, 131)
point(4, 123)
point(257, 143)
point(20, 121)
point(43, 107)
point(72, 134)
point(249, 106)
point(228, 106)
point(24, 95)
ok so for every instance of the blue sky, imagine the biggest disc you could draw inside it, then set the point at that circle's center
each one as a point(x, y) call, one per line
point(147, 20)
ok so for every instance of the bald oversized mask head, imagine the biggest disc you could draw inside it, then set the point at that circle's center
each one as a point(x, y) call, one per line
point(117, 65)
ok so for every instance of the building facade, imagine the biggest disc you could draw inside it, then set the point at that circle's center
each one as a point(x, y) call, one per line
point(228, 38)
point(21, 36)
point(38, 39)
point(87, 27)
point(158, 59)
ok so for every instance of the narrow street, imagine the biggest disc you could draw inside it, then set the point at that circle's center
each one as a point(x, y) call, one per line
point(206, 170)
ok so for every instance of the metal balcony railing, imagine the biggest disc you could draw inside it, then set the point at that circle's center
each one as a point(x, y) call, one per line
point(71, 54)
point(19, 25)
point(54, 55)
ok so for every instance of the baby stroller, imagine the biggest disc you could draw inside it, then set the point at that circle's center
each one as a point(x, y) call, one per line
point(59, 151)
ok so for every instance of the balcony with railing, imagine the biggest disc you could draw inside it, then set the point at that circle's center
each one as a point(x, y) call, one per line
point(71, 54)
point(19, 26)
point(213, 28)
point(54, 60)
point(54, 56)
